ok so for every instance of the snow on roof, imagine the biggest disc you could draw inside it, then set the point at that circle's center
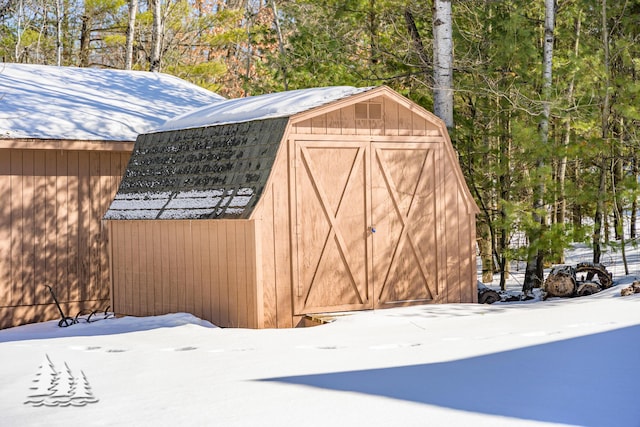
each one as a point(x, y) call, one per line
point(281, 104)
point(48, 102)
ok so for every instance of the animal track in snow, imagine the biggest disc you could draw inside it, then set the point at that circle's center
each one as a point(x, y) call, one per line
point(394, 345)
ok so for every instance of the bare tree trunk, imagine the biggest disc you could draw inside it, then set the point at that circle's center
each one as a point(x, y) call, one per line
point(156, 35)
point(534, 270)
point(443, 62)
point(58, 32)
point(85, 40)
point(131, 29)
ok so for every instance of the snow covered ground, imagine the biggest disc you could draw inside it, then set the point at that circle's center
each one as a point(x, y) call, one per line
point(556, 362)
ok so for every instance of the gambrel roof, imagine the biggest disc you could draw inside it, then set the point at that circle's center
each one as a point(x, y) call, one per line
point(69, 103)
point(214, 162)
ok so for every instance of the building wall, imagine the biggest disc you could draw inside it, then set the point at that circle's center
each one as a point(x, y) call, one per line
point(203, 267)
point(451, 260)
point(51, 231)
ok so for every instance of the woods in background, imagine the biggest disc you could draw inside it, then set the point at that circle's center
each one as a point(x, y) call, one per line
point(548, 151)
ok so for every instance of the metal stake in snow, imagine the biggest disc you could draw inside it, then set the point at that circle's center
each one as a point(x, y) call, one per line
point(65, 320)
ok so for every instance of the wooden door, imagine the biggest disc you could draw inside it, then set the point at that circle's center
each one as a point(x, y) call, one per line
point(331, 227)
point(403, 216)
point(364, 225)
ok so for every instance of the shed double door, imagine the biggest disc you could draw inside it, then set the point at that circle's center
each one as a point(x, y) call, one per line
point(365, 225)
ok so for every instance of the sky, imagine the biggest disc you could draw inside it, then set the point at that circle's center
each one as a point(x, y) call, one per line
point(540, 363)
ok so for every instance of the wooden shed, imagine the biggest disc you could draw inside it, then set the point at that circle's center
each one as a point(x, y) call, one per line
point(256, 212)
point(66, 135)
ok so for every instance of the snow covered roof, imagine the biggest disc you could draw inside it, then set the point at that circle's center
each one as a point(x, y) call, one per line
point(47, 102)
point(281, 104)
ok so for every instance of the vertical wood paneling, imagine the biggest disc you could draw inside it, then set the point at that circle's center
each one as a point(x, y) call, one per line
point(232, 265)
point(118, 244)
point(234, 279)
point(148, 291)
point(391, 118)
point(17, 228)
point(349, 120)
point(73, 214)
point(453, 249)
point(405, 123)
point(241, 275)
point(49, 217)
point(334, 122)
point(5, 229)
point(441, 231)
point(27, 292)
point(256, 292)
point(190, 266)
point(160, 265)
point(94, 194)
point(319, 124)
point(52, 231)
point(206, 301)
point(40, 227)
point(62, 231)
point(200, 267)
point(304, 127)
point(282, 246)
point(107, 190)
point(217, 273)
point(266, 214)
point(419, 125)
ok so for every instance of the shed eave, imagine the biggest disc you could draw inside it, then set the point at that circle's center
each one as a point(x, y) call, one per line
point(66, 144)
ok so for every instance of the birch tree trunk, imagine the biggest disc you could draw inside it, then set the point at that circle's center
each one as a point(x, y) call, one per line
point(443, 62)
point(534, 270)
point(131, 29)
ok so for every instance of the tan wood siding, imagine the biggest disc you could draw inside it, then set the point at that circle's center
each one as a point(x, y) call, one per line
point(395, 120)
point(273, 216)
point(205, 269)
point(51, 231)
point(403, 199)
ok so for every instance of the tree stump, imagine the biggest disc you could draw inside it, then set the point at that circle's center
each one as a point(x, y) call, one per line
point(561, 281)
point(588, 288)
point(604, 277)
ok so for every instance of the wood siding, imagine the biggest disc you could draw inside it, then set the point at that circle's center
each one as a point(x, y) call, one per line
point(340, 170)
point(203, 267)
point(395, 120)
point(51, 231)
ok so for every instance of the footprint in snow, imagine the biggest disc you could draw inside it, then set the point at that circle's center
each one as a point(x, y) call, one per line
point(85, 347)
point(395, 345)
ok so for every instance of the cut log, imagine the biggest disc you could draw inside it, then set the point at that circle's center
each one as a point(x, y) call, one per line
point(634, 288)
point(488, 296)
point(588, 288)
point(561, 281)
point(604, 277)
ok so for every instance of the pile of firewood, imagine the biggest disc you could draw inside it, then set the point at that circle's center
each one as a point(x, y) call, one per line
point(585, 279)
point(634, 288)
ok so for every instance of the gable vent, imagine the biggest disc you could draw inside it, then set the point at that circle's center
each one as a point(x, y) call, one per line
point(371, 111)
